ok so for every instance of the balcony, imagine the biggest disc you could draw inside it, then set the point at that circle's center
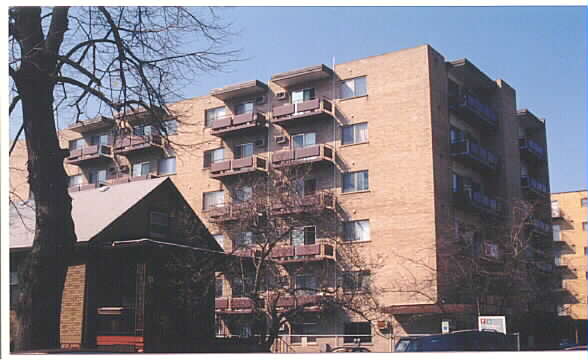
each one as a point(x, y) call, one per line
point(303, 253)
point(474, 110)
point(311, 154)
point(311, 203)
point(89, 153)
point(97, 123)
point(229, 212)
point(532, 151)
point(123, 179)
point(238, 124)
point(477, 201)
point(133, 143)
point(234, 305)
point(475, 155)
point(227, 168)
point(540, 227)
point(533, 187)
point(290, 301)
point(288, 114)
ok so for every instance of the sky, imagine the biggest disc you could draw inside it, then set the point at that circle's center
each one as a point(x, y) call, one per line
point(539, 51)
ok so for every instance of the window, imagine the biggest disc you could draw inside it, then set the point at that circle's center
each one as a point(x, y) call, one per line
point(241, 286)
point(214, 199)
point(142, 130)
point(243, 151)
point(556, 232)
point(170, 126)
point(354, 134)
point(357, 332)
point(77, 144)
point(213, 156)
point(306, 284)
point(584, 202)
point(218, 288)
point(302, 95)
point(355, 181)
point(357, 230)
point(354, 281)
point(304, 326)
point(100, 140)
point(159, 224)
point(75, 180)
point(585, 250)
point(220, 240)
point(354, 87)
point(167, 166)
point(243, 108)
point(304, 140)
point(456, 135)
point(13, 288)
point(245, 239)
point(214, 114)
point(97, 176)
point(584, 226)
point(303, 236)
point(306, 186)
point(142, 168)
point(244, 193)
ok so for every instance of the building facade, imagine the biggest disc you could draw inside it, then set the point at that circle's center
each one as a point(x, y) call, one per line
point(416, 151)
point(569, 235)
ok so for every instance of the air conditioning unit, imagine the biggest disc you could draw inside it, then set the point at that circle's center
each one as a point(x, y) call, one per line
point(282, 95)
point(260, 142)
point(260, 100)
point(281, 139)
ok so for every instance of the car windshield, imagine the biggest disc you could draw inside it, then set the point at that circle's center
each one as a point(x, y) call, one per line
point(402, 345)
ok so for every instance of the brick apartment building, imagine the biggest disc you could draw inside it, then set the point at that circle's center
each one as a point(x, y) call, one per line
point(569, 236)
point(411, 145)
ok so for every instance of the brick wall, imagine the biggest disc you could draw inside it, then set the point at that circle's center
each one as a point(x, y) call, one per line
point(72, 307)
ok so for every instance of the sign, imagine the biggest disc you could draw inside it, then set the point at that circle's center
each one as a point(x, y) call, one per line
point(444, 326)
point(497, 323)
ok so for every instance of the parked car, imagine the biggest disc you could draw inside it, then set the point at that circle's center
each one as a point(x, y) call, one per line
point(464, 340)
point(577, 347)
point(350, 349)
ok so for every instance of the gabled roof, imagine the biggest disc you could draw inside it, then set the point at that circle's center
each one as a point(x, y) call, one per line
point(92, 210)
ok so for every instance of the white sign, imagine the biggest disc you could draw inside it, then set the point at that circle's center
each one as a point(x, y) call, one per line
point(497, 323)
point(444, 326)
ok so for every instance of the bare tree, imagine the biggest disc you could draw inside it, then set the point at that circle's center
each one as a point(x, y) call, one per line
point(92, 60)
point(289, 256)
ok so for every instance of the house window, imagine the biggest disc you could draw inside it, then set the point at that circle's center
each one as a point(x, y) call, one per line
point(245, 239)
point(142, 168)
point(244, 193)
point(77, 144)
point(213, 156)
point(75, 180)
point(214, 114)
point(556, 232)
point(302, 95)
point(303, 236)
point(354, 87)
point(357, 332)
point(170, 126)
point(243, 151)
point(243, 108)
point(218, 288)
point(142, 130)
point(355, 181)
point(304, 140)
point(584, 202)
point(100, 140)
point(97, 176)
point(357, 230)
point(354, 134)
point(306, 284)
point(355, 281)
point(220, 240)
point(214, 199)
point(167, 166)
point(159, 224)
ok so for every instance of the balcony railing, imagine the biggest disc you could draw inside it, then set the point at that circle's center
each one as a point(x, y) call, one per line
point(248, 164)
point(92, 152)
point(315, 108)
point(531, 150)
point(478, 201)
point(304, 155)
point(229, 212)
point(533, 186)
point(540, 227)
point(123, 179)
point(234, 124)
point(234, 305)
point(473, 109)
point(302, 253)
point(128, 144)
point(474, 154)
point(295, 204)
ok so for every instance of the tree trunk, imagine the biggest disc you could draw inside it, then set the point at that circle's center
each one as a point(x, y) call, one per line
point(43, 273)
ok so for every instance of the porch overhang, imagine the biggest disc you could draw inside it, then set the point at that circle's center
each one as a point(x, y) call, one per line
point(467, 73)
point(304, 75)
point(244, 89)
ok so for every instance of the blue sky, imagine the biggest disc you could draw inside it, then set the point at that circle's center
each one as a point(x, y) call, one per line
point(540, 51)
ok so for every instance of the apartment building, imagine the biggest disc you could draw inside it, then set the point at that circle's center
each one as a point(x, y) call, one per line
point(414, 150)
point(568, 210)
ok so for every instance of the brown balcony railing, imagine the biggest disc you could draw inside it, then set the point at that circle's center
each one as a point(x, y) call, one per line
point(229, 212)
point(249, 164)
point(122, 179)
point(308, 203)
point(300, 253)
point(309, 154)
point(233, 124)
point(92, 152)
point(315, 108)
point(233, 305)
point(128, 144)
point(474, 110)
